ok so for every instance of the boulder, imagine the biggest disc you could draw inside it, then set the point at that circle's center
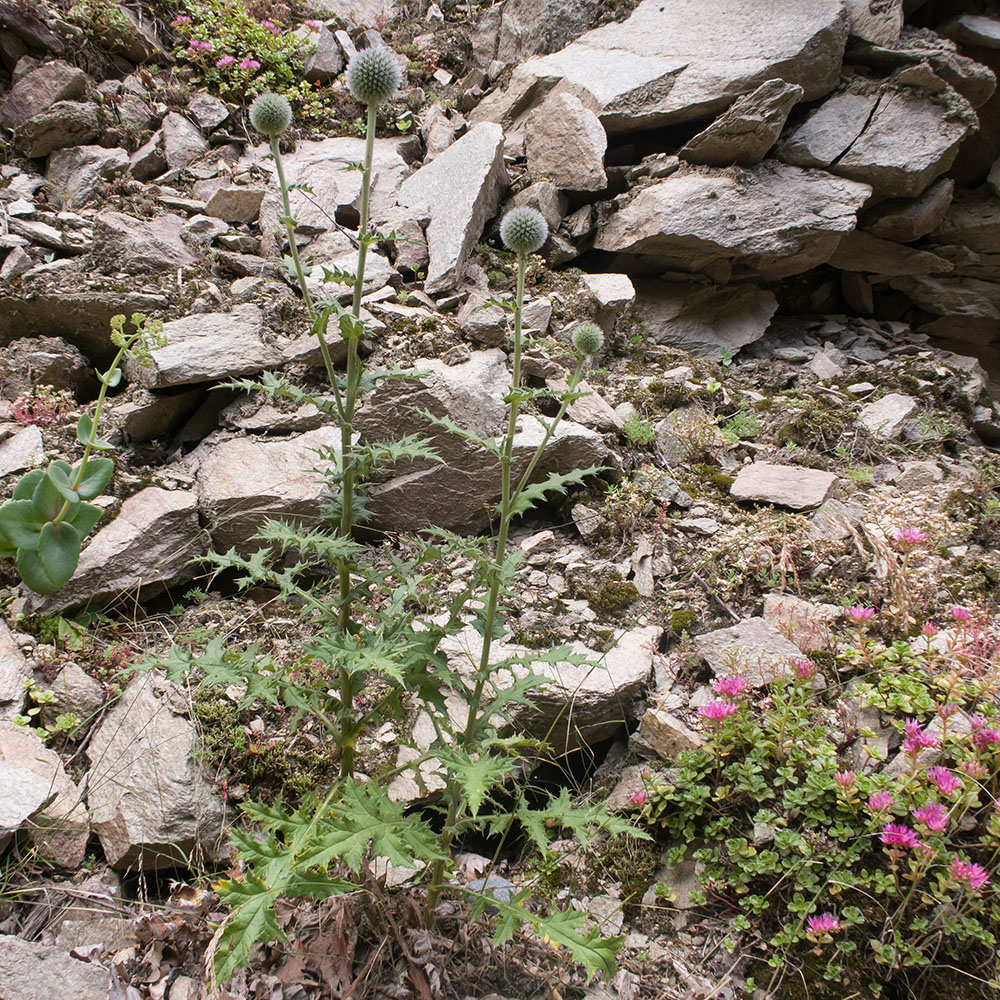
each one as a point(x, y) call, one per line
point(877, 21)
point(37, 361)
point(703, 319)
point(886, 416)
point(666, 735)
point(148, 160)
point(747, 129)
point(357, 13)
point(527, 27)
point(242, 481)
point(460, 190)
point(182, 142)
point(483, 321)
point(57, 826)
point(40, 89)
point(337, 251)
point(565, 143)
point(860, 251)
point(65, 123)
point(904, 219)
point(809, 626)
point(149, 803)
point(235, 204)
point(22, 450)
point(135, 245)
point(684, 60)
point(752, 648)
point(970, 29)
point(326, 61)
point(785, 485)
point(14, 671)
point(30, 970)
point(208, 111)
point(74, 174)
point(149, 546)
point(75, 691)
point(772, 219)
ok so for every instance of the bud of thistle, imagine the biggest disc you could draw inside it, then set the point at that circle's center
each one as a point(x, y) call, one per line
point(588, 338)
point(270, 114)
point(373, 75)
point(523, 230)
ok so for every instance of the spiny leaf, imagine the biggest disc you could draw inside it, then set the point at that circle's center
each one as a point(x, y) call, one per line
point(252, 920)
point(446, 423)
point(554, 482)
point(477, 774)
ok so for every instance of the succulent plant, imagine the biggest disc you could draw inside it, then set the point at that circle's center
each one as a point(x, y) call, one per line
point(373, 75)
point(523, 230)
point(588, 338)
point(270, 114)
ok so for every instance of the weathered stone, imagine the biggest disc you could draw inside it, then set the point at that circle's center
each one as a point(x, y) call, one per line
point(72, 236)
point(149, 803)
point(23, 450)
point(886, 416)
point(37, 361)
point(525, 28)
point(703, 319)
point(124, 34)
point(905, 220)
point(774, 220)
point(918, 475)
point(747, 129)
point(208, 111)
point(687, 431)
point(685, 60)
point(612, 291)
point(235, 204)
point(565, 144)
point(30, 970)
point(969, 29)
point(13, 672)
point(39, 89)
point(786, 485)
point(808, 625)
point(203, 229)
point(834, 520)
point(58, 826)
point(336, 251)
point(458, 210)
point(483, 321)
point(356, 13)
point(752, 648)
point(666, 735)
point(327, 60)
point(877, 21)
point(897, 139)
point(242, 481)
point(146, 548)
point(860, 251)
point(75, 691)
point(149, 161)
point(137, 245)
point(74, 174)
point(591, 409)
point(16, 263)
point(182, 141)
point(65, 123)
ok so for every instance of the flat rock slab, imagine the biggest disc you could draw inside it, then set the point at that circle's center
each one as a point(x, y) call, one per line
point(149, 802)
point(880, 22)
point(208, 346)
point(146, 548)
point(785, 485)
point(565, 144)
point(886, 416)
point(666, 735)
point(808, 625)
point(65, 123)
point(39, 89)
point(74, 173)
point(135, 245)
point(13, 671)
point(773, 220)
point(907, 219)
point(459, 190)
point(24, 450)
point(752, 648)
point(33, 971)
point(688, 59)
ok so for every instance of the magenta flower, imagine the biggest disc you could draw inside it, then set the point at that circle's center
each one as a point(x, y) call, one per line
point(974, 876)
point(982, 734)
point(225, 61)
point(717, 710)
point(899, 835)
point(637, 797)
point(961, 614)
point(822, 923)
point(805, 669)
point(845, 779)
point(181, 19)
point(973, 768)
point(315, 25)
point(934, 816)
point(916, 739)
point(944, 779)
point(198, 46)
point(249, 63)
point(930, 629)
point(909, 537)
point(860, 614)
point(881, 801)
point(732, 686)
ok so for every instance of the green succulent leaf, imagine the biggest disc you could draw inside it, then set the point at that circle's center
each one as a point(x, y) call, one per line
point(19, 524)
point(59, 475)
point(59, 551)
point(27, 483)
point(84, 430)
point(47, 501)
point(83, 518)
point(96, 477)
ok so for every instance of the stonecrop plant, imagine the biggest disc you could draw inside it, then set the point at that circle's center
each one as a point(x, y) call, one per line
point(374, 630)
point(44, 524)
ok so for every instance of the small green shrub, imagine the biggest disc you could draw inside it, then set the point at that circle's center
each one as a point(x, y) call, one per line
point(638, 431)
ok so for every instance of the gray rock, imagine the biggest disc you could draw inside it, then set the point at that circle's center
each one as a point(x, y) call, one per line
point(327, 61)
point(355, 13)
point(703, 319)
point(150, 804)
point(149, 161)
point(146, 548)
point(36, 361)
point(774, 220)
point(65, 123)
point(182, 141)
point(591, 409)
point(57, 826)
point(23, 450)
point(969, 29)
point(137, 245)
point(906, 220)
point(243, 481)
point(918, 475)
point(13, 673)
point(40, 89)
point(208, 111)
point(747, 129)
point(483, 321)
point(16, 263)
point(612, 291)
point(565, 143)
point(809, 626)
point(75, 691)
point(458, 210)
point(207, 346)
point(74, 174)
point(752, 648)
point(666, 735)
point(528, 27)
point(834, 520)
point(145, 416)
point(542, 196)
point(860, 251)
point(335, 250)
point(685, 60)
point(786, 485)
point(886, 416)
point(203, 229)
point(824, 367)
point(33, 971)
point(877, 21)
point(235, 204)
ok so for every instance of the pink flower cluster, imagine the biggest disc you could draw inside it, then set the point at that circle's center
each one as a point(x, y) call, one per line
point(982, 734)
point(934, 816)
point(846, 779)
point(961, 614)
point(197, 46)
point(822, 923)
point(732, 686)
point(916, 739)
point(881, 801)
point(804, 668)
point(929, 629)
point(717, 710)
point(181, 19)
point(637, 797)
point(249, 63)
point(225, 61)
point(908, 538)
point(271, 26)
point(899, 835)
point(315, 25)
point(860, 614)
point(946, 782)
point(974, 876)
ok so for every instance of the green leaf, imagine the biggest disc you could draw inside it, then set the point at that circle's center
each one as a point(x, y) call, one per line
point(59, 552)
point(47, 501)
point(452, 428)
point(252, 920)
point(554, 482)
point(33, 574)
point(27, 483)
point(477, 775)
point(59, 478)
point(83, 518)
point(19, 524)
point(84, 429)
point(113, 378)
point(96, 476)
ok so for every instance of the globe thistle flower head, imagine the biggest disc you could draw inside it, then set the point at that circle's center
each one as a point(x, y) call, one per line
point(588, 338)
point(523, 230)
point(373, 75)
point(270, 114)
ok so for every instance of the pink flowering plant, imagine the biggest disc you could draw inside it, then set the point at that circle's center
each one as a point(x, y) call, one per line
point(862, 871)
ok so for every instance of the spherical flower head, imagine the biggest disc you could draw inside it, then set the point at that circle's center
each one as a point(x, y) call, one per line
point(271, 114)
point(732, 686)
point(934, 816)
point(523, 230)
point(899, 835)
point(975, 876)
point(373, 75)
point(860, 614)
point(822, 923)
point(588, 338)
point(717, 710)
point(880, 802)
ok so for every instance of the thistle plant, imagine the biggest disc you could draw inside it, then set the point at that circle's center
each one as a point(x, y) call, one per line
point(43, 526)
